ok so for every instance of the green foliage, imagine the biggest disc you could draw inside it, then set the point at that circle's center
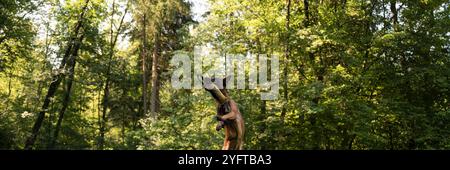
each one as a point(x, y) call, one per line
point(359, 76)
point(16, 31)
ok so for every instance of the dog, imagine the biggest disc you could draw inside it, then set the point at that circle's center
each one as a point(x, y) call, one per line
point(228, 114)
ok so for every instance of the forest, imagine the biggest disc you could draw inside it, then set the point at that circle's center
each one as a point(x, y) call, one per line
point(96, 74)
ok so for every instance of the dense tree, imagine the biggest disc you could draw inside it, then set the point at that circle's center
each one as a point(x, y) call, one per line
point(16, 31)
point(95, 74)
point(68, 59)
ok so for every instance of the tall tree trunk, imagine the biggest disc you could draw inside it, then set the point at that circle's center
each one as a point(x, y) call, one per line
point(123, 129)
point(44, 64)
point(113, 41)
point(9, 85)
point(9, 89)
point(286, 61)
point(56, 80)
point(393, 5)
point(263, 107)
point(315, 100)
point(144, 65)
point(103, 120)
point(99, 115)
point(71, 63)
point(306, 8)
point(154, 99)
point(298, 63)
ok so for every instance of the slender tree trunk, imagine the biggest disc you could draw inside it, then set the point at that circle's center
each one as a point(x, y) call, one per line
point(138, 113)
point(394, 11)
point(306, 8)
point(9, 85)
point(99, 115)
point(103, 120)
point(154, 100)
point(263, 105)
point(56, 80)
point(315, 100)
point(113, 41)
point(9, 90)
point(44, 64)
point(106, 89)
point(123, 129)
point(286, 61)
point(144, 65)
point(71, 63)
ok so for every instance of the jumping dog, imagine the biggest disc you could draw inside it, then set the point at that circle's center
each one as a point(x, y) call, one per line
point(228, 114)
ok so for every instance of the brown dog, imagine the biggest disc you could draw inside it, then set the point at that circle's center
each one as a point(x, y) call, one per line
point(228, 115)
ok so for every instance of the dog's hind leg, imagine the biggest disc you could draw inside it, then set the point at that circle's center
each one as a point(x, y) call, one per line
point(240, 136)
point(226, 144)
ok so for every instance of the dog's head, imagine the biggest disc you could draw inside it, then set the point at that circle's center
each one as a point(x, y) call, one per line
point(216, 86)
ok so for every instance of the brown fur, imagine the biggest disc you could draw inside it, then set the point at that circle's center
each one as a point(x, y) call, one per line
point(233, 123)
point(234, 128)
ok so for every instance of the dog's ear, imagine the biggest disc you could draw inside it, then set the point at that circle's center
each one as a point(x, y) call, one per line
point(206, 81)
point(226, 80)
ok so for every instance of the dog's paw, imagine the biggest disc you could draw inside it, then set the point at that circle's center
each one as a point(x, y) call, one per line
point(219, 126)
point(218, 117)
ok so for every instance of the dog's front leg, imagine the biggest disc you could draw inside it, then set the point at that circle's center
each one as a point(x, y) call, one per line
point(229, 116)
